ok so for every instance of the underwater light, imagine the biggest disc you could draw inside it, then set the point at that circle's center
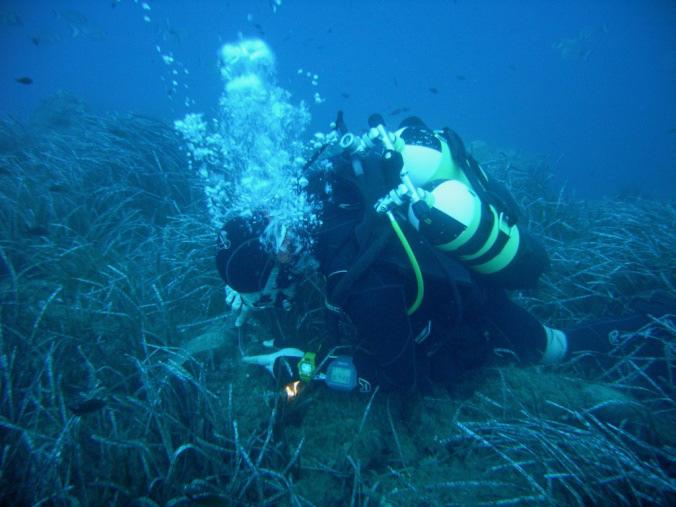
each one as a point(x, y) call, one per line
point(292, 390)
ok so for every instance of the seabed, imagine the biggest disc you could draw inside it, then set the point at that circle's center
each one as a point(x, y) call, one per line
point(121, 379)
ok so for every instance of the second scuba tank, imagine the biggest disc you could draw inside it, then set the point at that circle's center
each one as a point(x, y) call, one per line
point(479, 236)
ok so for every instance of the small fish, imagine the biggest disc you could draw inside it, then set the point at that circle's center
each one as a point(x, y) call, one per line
point(4, 268)
point(87, 33)
point(118, 132)
point(398, 110)
point(210, 500)
point(37, 230)
point(433, 90)
point(460, 77)
point(58, 188)
point(672, 131)
point(345, 95)
point(10, 18)
point(168, 33)
point(46, 38)
point(87, 406)
point(70, 16)
point(511, 67)
point(259, 29)
point(24, 80)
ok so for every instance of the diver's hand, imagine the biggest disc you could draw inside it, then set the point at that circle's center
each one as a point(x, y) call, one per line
point(237, 305)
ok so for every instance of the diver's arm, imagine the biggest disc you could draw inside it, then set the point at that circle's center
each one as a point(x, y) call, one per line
point(385, 353)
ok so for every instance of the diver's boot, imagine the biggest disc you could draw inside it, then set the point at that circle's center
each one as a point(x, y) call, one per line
point(556, 346)
point(597, 336)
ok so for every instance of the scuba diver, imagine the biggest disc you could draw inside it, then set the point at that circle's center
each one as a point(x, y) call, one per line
point(417, 247)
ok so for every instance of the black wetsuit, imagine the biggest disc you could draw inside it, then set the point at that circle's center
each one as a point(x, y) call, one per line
point(460, 322)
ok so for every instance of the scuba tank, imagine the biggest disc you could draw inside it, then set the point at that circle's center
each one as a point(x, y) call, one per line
point(479, 236)
point(466, 215)
point(450, 200)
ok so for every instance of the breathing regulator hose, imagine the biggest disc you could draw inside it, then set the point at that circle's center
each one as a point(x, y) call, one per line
point(414, 263)
point(351, 144)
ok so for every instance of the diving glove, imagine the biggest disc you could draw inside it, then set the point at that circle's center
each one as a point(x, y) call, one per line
point(237, 305)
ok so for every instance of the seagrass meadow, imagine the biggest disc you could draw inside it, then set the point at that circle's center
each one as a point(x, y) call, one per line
point(121, 380)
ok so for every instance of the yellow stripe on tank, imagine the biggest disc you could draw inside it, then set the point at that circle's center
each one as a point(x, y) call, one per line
point(506, 255)
point(492, 237)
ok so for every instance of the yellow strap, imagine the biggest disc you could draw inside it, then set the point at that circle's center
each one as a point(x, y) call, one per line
point(506, 255)
point(414, 263)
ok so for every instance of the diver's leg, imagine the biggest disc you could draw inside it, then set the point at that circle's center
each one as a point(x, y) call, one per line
point(596, 335)
point(510, 326)
point(506, 325)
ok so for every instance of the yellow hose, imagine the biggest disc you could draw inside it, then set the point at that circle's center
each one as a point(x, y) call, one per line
point(412, 260)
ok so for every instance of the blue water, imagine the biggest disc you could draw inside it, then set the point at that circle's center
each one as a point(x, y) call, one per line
point(589, 85)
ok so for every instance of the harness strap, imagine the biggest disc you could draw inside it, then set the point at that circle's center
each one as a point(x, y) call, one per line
point(480, 183)
point(364, 260)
